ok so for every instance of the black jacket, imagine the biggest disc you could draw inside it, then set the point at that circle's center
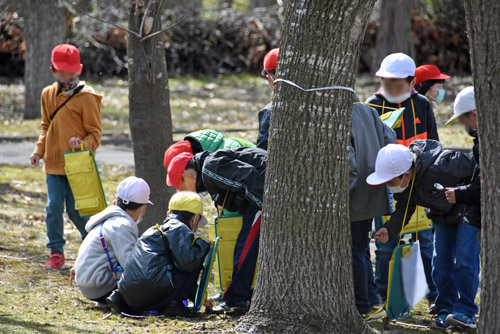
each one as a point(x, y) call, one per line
point(424, 116)
point(238, 172)
point(147, 278)
point(433, 165)
point(470, 194)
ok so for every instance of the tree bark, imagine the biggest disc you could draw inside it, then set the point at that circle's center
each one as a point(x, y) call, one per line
point(45, 26)
point(149, 109)
point(304, 282)
point(484, 32)
point(394, 31)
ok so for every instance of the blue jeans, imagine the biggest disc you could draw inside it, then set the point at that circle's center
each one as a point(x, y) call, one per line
point(59, 192)
point(455, 268)
point(365, 290)
point(383, 255)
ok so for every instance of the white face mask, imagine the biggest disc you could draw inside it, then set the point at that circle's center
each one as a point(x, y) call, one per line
point(141, 215)
point(396, 99)
point(399, 189)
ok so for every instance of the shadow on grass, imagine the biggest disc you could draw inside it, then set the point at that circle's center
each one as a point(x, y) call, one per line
point(44, 328)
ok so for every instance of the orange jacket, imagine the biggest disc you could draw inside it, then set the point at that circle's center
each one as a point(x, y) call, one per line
point(80, 117)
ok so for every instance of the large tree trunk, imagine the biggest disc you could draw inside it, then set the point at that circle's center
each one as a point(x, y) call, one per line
point(394, 31)
point(45, 25)
point(304, 282)
point(149, 109)
point(484, 32)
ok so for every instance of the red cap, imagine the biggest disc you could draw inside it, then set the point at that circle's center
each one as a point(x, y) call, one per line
point(176, 169)
point(271, 60)
point(428, 72)
point(66, 57)
point(174, 150)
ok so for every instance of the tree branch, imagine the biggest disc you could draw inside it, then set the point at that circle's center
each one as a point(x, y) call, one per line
point(100, 20)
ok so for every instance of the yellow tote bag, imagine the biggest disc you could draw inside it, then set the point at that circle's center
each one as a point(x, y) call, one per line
point(85, 182)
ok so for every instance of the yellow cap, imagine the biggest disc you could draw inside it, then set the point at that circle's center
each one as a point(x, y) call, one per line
point(186, 201)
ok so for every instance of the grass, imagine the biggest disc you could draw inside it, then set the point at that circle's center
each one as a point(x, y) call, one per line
point(33, 300)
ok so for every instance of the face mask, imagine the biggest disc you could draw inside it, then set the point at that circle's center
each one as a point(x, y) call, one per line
point(396, 99)
point(399, 189)
point(440, 96)
point(68, 84)
point(472, 132)
point(139, 219)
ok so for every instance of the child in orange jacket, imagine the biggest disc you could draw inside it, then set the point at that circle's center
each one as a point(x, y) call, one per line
point(70, 120)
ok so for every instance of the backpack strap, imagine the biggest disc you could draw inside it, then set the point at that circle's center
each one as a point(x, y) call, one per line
point(75, 91)
point(104, 246)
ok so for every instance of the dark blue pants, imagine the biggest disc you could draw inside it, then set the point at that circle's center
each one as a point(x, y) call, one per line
point(365, 290)
point(240, 289)
point(455, 268)
point(383, 255)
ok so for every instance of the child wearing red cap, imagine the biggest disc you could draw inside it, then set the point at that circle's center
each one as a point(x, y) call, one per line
point(203, 140)
point(269, 71)
point(429, 83)
point(235, 180)
point(70, 120)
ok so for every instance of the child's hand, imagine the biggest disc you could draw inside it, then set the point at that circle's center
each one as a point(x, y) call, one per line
point(450, 195)
point(35, 159)
point(75, 142)
point(382, 235)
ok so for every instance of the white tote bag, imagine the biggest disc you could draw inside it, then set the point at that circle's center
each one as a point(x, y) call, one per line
point(413, 274)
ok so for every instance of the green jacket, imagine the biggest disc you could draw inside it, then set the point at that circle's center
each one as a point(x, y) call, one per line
point(212, 140)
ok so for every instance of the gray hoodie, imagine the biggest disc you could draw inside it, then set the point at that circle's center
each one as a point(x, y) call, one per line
point(93, 276)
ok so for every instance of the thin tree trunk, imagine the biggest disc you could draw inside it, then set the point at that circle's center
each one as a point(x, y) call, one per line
point(45, 26)
point(394, 31)
point(149, 109)
point(484, 32)
point(304, 282)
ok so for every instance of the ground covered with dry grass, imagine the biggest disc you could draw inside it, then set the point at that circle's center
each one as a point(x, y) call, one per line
point(36, 301)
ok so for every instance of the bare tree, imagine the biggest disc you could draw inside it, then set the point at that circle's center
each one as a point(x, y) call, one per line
point(304, 282)
point(46, 24)
point(149, 108)
point(484, 32)
point(394, 30)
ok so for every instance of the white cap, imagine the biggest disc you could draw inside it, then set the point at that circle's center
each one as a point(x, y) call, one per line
point(392, 161)
point(397, 66)
point(134, 189)
point(464, 102)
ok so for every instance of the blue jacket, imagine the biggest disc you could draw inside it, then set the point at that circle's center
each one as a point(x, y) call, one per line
point(264, 121)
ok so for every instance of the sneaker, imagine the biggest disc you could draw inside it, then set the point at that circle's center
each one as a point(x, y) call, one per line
point(101, 305)
point(377, 312)
point(441, 322)
point(118, 304)
point(432, 309)
point(229, 308)
point(461, 320)
point(56, 261)
point(367, 316)
point(178, 309)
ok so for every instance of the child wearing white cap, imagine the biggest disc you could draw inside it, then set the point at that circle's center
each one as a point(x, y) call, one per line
point(411, 174)
point(397, 81)
point(111, 237)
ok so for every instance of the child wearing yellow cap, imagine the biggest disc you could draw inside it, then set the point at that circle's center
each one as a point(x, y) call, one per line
point(164, 266)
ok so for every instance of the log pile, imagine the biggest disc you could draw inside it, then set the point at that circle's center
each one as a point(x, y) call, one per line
point(225, 41)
